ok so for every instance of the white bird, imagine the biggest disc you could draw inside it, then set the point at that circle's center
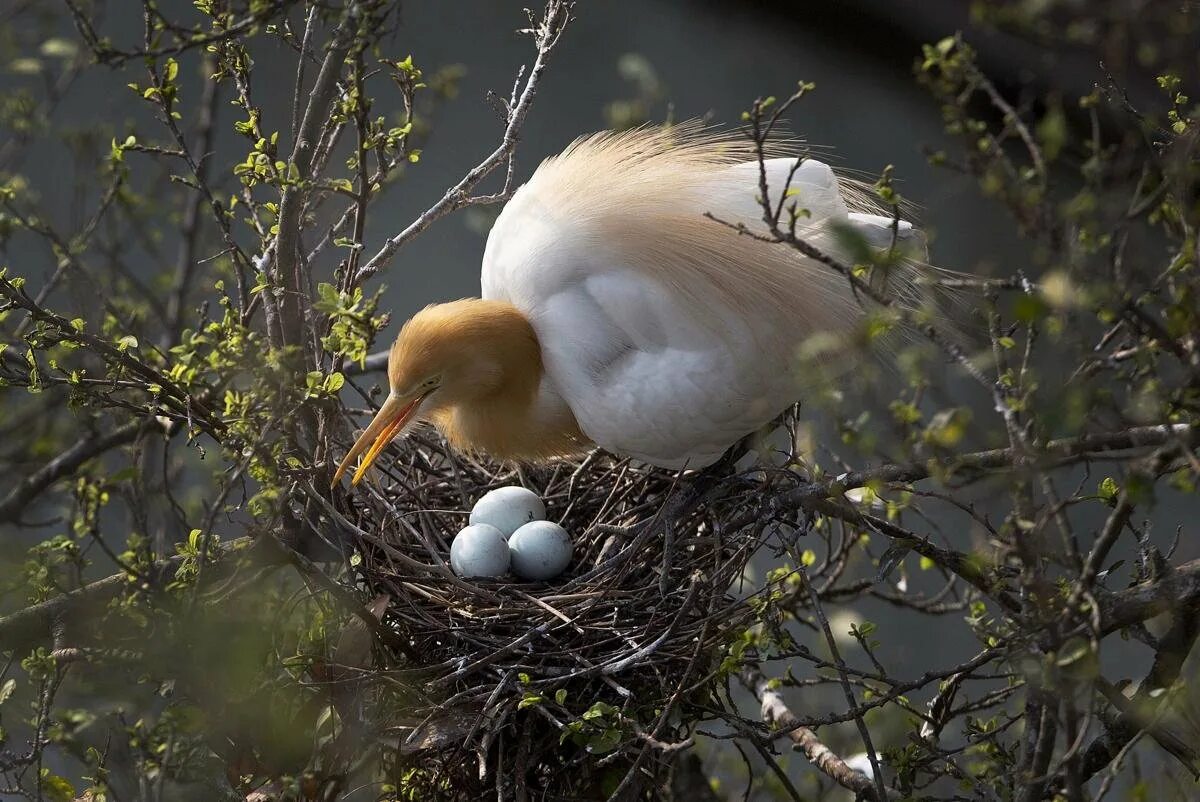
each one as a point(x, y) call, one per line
point(616, 311)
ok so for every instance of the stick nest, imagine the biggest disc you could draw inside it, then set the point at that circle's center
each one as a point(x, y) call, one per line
point(597, 659)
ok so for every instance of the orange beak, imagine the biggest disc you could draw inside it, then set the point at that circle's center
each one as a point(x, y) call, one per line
point(391, 419)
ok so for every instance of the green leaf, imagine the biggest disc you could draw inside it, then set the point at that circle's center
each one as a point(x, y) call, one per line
point(530, 700)
point(6, 690)
point(605, 741)
point(1109, 490)
point(55, 788)
point(598, 710)
point(330, 300)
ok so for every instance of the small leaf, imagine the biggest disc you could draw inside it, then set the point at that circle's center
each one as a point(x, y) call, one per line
point(598, 710)
point(55, 788)
point(1109, 490)
point(529, 701)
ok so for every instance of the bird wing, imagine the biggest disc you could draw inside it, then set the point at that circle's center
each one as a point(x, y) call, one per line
point(668, 333)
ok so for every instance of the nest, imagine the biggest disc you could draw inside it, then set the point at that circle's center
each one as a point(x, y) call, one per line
point(533, 675)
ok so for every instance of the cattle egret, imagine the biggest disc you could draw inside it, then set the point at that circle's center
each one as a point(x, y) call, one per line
point(621, 309)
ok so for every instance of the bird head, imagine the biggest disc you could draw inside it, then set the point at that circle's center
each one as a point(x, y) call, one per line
point(447, 355)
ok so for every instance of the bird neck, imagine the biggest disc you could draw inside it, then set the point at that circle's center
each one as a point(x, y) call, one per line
point(511, 414)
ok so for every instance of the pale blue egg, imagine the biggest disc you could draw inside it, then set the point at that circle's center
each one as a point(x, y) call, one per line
point(508, 509)
point(540, 550)
point(480, 550)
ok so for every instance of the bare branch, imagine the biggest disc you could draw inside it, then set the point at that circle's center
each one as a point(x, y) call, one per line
point(554, 20)
point(776, 712)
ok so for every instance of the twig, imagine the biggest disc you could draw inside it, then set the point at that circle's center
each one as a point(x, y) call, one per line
point(66, 464)
point(880, 789)
point(776, 712)
point(547, 33)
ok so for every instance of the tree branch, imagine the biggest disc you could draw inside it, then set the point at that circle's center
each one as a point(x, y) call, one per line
point(554, 21)
point(36, 622)
point(1174, 592)
point(64, 465)
point(776, 712)
point(288, 261)
point(1052, 454)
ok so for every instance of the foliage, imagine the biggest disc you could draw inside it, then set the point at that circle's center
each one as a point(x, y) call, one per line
point(193, 615)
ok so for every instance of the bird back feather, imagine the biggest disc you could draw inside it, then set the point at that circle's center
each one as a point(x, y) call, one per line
point(682, 204)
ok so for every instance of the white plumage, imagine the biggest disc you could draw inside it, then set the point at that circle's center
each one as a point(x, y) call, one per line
point(632, 299)
point(667, 334)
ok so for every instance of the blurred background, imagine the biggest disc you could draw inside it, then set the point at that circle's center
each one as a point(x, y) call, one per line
point(626, 62)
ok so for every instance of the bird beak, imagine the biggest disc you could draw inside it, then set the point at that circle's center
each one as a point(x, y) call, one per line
point(391, 419)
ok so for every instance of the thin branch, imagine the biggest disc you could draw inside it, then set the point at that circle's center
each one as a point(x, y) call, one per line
point(115, 57)
point(554, 21)
point(186, 262)
point(35, 623)
point(775, 712)
point(288, 260)
point(65, 465)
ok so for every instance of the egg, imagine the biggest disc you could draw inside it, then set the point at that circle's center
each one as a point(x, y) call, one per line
point(480, 550)
point(508, 508)
point(540, 550)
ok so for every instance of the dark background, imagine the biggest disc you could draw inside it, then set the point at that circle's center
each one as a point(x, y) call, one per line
point(710, 59)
